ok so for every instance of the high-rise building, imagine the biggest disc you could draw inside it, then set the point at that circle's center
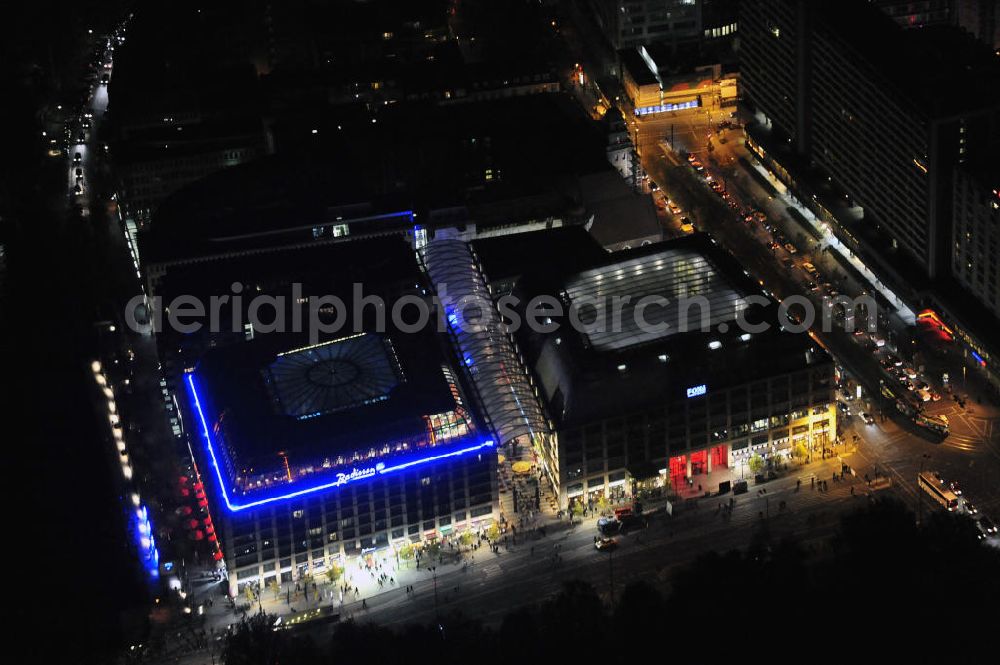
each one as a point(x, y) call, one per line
point(882, 131)
point(866, 103)
point(981, 18)
point(720, 19)
point(910, 14)
point(771, 56)
point(976, 234)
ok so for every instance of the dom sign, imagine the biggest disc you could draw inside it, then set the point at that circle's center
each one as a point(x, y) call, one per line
point(696, 391)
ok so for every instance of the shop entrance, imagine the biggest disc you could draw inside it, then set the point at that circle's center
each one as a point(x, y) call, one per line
point(699, 463)
point(719, 456)
point(678, 470)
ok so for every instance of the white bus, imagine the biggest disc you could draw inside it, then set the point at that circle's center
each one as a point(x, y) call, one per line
point(930, 482)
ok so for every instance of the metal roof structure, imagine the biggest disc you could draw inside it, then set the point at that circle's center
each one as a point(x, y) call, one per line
point(698, 297)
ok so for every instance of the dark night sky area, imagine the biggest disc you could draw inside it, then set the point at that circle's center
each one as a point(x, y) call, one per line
point(69, 576)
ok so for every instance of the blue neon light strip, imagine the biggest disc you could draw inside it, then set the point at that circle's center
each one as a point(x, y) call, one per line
point(663, 108)
point(365, 474)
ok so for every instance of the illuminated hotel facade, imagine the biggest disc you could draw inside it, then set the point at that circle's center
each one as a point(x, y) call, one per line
point(315, 452)
point(335, 450)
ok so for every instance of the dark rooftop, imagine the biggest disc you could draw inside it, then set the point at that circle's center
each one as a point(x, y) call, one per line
point(176, 140)
point(921, 63)
point(561, 250)
point(587, 376)
point(637, 68)
point(493, 161)
point(271, 401)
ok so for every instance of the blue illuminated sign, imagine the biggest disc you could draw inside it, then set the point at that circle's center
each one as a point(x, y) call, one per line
point(145, 542)
point(342, 479)
point(696, 391)
point(663, 108)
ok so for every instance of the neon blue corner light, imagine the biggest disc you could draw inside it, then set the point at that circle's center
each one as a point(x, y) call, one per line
point(354, 475)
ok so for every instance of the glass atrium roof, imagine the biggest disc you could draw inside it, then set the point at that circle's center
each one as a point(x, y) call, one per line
point(333, 376)
point(698, 297)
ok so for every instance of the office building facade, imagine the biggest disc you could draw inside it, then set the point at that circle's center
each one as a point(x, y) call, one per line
point(674, 405)
point(976, 235)
point(630, 23)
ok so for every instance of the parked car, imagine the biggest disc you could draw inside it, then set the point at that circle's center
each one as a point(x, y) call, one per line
point(608, 525)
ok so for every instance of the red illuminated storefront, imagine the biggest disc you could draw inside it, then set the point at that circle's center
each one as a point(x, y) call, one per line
point(698, 463)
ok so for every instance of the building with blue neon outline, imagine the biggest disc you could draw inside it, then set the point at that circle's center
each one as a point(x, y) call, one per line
point(313, 454)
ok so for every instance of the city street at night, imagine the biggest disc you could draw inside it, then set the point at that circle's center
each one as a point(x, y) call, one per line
point(521, 331)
